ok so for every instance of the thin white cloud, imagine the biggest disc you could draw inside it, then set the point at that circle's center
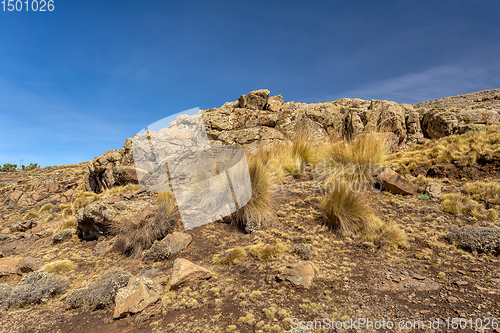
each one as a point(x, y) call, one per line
point(432, 83)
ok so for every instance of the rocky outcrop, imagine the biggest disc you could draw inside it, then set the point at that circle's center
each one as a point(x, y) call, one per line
point(257, 119)
point(96, 219)
point(113, 168)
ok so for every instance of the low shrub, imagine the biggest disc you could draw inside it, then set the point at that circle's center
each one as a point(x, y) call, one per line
point(62, 236)
point(481, 240)
point(37, 287)
point(100, 294)
point(159, 251)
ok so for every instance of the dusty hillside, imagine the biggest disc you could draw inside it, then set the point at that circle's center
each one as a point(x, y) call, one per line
point(481, 98)
point(431, 253)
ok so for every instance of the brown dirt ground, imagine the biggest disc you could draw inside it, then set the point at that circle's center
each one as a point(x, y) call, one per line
point(354, 278)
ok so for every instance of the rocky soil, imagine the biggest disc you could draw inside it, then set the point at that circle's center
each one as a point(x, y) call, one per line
point(294, 268)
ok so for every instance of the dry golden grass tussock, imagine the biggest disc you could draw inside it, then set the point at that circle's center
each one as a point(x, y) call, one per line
point(258, 211)
point(355, 160)
point(231, 257)
point(465, 148)
point(265, 252)
point(67, 223)
point(347, 212)
point(133, 239)
point(59, 266)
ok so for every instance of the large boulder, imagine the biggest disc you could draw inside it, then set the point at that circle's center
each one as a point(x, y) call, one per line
point(140, 295)
point(185, 272)
point(255, 100)
point(97, 219)
point(391, 181)
point(438, 123)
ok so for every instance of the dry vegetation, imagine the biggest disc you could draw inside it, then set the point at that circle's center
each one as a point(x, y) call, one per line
point(465, 148)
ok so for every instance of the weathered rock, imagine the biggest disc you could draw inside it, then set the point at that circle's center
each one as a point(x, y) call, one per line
point(300, 274)
point(140, 295)
point(274, 103)
point(185, 272)
point(157, 252)
point(22, 226)
point(28, 264)
point(105, 246)
point(95, 219)
point(437, 123)
point(9, 266)
point(255, 100)
point(433, 190)
point(177, 241)
point(391, 181)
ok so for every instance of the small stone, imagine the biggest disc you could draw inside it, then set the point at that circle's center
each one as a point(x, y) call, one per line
point(461, 283)
point(452, 299)
point(461, 272)
point(177, 241)
point(475, 269)
point(418, 277)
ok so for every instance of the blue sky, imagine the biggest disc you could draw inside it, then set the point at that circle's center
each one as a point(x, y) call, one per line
point(78, 81)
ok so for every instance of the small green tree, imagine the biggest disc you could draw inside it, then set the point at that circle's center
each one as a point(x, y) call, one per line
point(7, 167)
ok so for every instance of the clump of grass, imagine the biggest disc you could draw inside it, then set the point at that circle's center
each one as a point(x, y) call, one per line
point(291, 157)
point(465, 148)
point(347, 212)
point(119, 190)
point(355, 160)
point(483, 191)
point(67, 223)
point(231, 257)
point(59, 266)
point(424, 197)
point(133, 238)
point(46, 207)
point(257, 212)
point(423, 180)
point(393, 234)
point(457, 203)
point(265, 252)
point(30, 215)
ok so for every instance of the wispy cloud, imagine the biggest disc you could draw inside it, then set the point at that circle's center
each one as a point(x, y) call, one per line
point(436, 82)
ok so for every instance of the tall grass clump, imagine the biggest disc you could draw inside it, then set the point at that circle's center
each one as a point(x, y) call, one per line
point(135, 237)
point(355, 160)
point(347, 212)
point(257, 212)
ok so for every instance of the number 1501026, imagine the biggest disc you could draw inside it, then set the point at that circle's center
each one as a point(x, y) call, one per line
point(27, 5)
